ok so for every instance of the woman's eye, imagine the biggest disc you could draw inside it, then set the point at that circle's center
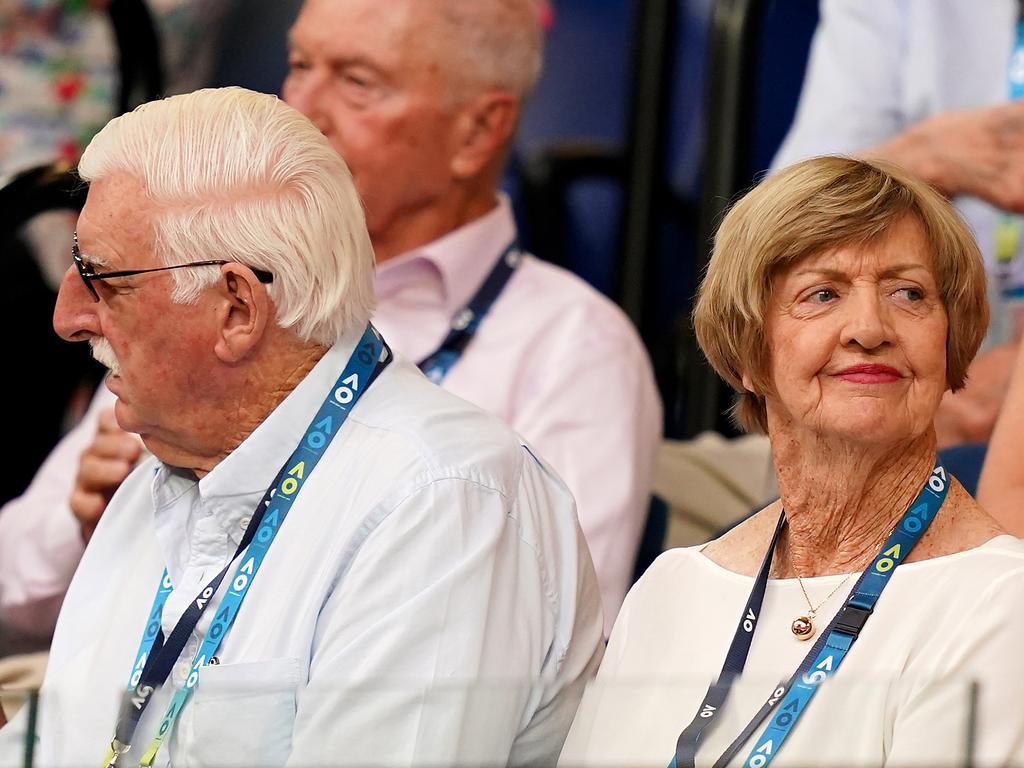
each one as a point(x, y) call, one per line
point(821, 296)
point(911, 293)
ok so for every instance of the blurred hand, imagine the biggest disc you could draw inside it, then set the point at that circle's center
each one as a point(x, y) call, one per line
point(969, 415)
point(102, 468)
point(977, 152)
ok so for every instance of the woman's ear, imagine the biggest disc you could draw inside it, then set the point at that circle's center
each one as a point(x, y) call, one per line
point(243, 309)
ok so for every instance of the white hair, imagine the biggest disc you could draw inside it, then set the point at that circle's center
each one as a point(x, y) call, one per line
point(497, 43)
point(241, 176)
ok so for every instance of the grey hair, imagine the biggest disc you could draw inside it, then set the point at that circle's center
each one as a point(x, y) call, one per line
point(496, 43)
point(241, 176)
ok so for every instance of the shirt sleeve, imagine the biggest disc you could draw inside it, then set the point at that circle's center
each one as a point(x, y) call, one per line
point(852, 93)
point(973, 695)
point(40, 540)
point(459, 636)
point(595, 415)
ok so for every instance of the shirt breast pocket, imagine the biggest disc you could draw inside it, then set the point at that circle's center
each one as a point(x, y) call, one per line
point(241, 715)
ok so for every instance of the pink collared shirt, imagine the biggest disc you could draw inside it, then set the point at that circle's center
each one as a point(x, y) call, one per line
point(554, 358)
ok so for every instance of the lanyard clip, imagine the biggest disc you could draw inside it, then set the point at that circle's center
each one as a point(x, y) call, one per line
point(116, 750)
point(852, 619)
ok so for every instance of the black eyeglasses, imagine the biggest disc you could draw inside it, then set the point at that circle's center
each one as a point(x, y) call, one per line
point(86, 272)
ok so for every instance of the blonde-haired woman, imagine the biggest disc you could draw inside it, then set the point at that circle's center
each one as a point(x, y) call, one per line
point(842, 300)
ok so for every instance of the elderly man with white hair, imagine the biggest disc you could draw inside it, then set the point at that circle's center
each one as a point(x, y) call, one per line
point(422, 99)
point(328, 560)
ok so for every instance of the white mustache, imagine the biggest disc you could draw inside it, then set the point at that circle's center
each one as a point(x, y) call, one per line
point(104, 354)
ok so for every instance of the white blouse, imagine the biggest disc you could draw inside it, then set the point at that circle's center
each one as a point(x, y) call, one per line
point(902, 697)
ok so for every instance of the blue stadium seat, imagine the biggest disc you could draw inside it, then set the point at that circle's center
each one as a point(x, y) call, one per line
point(566, 172)
point(253, 44)
point(964, 462)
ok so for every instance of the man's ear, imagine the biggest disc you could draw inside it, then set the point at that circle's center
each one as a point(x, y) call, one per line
point(484, 126)
point(243, 310)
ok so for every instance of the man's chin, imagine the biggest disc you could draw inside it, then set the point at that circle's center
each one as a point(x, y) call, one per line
point(123, 414)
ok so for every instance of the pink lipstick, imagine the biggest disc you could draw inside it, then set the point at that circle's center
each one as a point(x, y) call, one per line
point(870, 373)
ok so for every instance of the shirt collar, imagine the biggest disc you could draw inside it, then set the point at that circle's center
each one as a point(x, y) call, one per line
point(235, 486)
point(462, 258)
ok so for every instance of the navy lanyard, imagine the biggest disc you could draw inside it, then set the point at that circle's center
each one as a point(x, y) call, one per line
point(467, 320)
point(735, 661)
point(828, 652)
point(156, 657)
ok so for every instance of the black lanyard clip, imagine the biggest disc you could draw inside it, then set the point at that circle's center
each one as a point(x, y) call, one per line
point(852, 620)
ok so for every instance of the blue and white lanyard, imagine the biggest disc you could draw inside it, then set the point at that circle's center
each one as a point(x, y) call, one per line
point(467, 320)
point(793, 696)
point(152, 668)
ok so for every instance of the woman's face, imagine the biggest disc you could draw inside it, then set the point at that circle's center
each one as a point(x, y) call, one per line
point(857, 341)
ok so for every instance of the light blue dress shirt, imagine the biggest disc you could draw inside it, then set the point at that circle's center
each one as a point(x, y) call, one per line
point(429, 600)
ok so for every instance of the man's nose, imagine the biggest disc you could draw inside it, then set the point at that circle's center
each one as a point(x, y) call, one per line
point(74, 315)
point(867, 322)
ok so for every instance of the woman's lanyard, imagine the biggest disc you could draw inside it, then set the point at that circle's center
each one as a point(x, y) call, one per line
point(155, 657)
point(467, 320)
point(792, 697)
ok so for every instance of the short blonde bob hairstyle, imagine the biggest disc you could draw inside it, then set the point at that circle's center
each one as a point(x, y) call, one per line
point(809, 208)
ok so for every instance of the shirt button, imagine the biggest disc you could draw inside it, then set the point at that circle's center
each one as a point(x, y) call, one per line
point(183, 670)
point(244, 522)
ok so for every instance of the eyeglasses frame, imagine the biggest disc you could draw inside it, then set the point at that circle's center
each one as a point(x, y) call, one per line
point(88, 277)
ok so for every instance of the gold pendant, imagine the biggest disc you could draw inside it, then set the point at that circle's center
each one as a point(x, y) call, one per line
point(803, 628)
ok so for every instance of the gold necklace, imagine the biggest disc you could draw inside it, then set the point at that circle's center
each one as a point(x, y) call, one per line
point(803, 626)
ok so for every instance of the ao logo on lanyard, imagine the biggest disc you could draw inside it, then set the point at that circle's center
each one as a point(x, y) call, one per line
point(467, 320)
point(156, 657)
point(794, 696)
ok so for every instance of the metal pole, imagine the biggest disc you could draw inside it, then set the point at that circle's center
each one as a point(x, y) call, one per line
point(30, 729)
point(727, 96)
point(645, 150)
